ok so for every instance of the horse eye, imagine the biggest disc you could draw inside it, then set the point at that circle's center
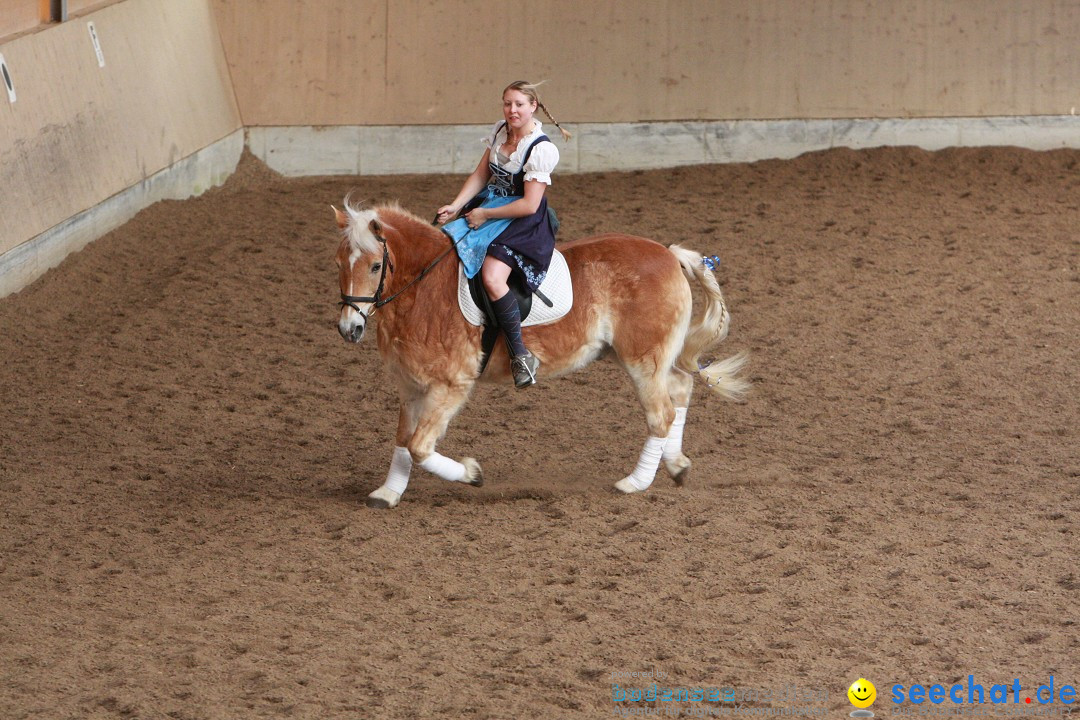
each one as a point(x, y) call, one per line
point(376, 267)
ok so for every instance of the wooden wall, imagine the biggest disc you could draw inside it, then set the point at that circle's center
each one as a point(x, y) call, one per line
point(79, 133)
point(182, 74)
point(18, 16)
point(390, 62)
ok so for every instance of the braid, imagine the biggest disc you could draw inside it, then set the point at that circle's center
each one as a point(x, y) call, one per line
point(529, 89)
point(566, 135)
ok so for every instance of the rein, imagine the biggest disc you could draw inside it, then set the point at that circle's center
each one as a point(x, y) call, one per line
point(377, 298)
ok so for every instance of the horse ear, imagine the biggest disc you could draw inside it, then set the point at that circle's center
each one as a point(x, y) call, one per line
point(376, 228)
point(342, 218)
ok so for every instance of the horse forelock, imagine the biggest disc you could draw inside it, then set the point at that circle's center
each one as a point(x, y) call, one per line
point(358, 229)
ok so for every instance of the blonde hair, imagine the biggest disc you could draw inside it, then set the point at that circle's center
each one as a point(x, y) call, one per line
point(529, 90)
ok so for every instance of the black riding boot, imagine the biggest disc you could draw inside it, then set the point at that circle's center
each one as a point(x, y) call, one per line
point(523, 364)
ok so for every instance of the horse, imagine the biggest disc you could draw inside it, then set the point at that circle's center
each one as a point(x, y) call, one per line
point(632, 299)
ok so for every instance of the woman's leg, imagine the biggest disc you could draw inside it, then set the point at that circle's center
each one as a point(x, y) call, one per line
point(523, 365)
point(495, 274)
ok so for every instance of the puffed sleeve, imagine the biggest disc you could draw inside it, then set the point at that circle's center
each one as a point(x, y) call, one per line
point(542, 161)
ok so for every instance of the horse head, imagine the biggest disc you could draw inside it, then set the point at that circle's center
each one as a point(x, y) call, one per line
point(364, 264)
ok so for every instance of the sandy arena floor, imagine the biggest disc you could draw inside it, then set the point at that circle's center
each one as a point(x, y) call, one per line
point(186, 443)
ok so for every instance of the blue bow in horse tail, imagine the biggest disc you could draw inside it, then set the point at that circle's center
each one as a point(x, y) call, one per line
point(712, 262)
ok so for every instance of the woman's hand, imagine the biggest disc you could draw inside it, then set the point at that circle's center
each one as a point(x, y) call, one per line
point(445, 214)
point(476, 217)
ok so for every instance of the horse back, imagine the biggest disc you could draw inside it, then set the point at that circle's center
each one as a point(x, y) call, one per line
point(634, 262)
point(629, 294)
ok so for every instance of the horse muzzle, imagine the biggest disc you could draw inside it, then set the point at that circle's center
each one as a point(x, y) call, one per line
point(352, 328)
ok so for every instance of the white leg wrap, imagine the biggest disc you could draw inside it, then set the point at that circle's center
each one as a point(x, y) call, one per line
point(673, 448)
point(647, 464)
point(400, 468)
point(444, 467)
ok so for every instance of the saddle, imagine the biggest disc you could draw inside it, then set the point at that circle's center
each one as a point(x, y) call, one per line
point(556, 295)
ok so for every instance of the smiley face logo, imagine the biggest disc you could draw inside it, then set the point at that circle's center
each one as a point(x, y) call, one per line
point(862, 693)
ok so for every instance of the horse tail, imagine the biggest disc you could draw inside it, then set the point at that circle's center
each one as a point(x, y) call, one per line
point(720, 375)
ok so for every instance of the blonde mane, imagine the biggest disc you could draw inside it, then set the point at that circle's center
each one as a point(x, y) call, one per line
point(358, 229)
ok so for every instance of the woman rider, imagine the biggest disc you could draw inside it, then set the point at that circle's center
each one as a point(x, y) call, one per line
point(505, 227)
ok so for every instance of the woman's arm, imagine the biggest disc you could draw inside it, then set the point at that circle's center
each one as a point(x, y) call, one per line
point(473, 184)
point(527, 205)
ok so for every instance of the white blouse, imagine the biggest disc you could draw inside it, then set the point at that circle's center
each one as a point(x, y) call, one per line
point(542, 162)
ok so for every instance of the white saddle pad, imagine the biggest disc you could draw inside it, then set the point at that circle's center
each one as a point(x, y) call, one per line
point(556, 287)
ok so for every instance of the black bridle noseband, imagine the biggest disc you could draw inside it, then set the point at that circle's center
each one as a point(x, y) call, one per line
point(377, 298)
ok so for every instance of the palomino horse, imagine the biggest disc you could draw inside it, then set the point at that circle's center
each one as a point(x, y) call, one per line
point(632, 296)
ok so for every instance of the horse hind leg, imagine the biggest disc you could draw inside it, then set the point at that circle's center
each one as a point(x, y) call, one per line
point(652, 390)
point(680, 385)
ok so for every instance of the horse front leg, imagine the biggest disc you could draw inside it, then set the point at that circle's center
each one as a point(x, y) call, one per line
point(440, 405)
point(422, 421)
point(388, 495)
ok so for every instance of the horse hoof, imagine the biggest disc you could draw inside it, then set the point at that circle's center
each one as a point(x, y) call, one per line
point(678, 469)
point(383, 499)
point(627, 487)
point(473, 474)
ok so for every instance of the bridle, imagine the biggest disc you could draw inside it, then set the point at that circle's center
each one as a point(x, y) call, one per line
point(377, 298)
point(352, 300)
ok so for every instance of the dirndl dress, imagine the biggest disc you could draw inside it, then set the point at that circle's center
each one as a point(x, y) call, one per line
point(525, 243)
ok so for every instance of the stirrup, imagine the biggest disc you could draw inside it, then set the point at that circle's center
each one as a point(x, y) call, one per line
point(524, 369)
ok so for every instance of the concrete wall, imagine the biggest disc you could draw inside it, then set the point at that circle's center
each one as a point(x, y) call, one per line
point(79, 133)
point(444, 62)
point(597, 147)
